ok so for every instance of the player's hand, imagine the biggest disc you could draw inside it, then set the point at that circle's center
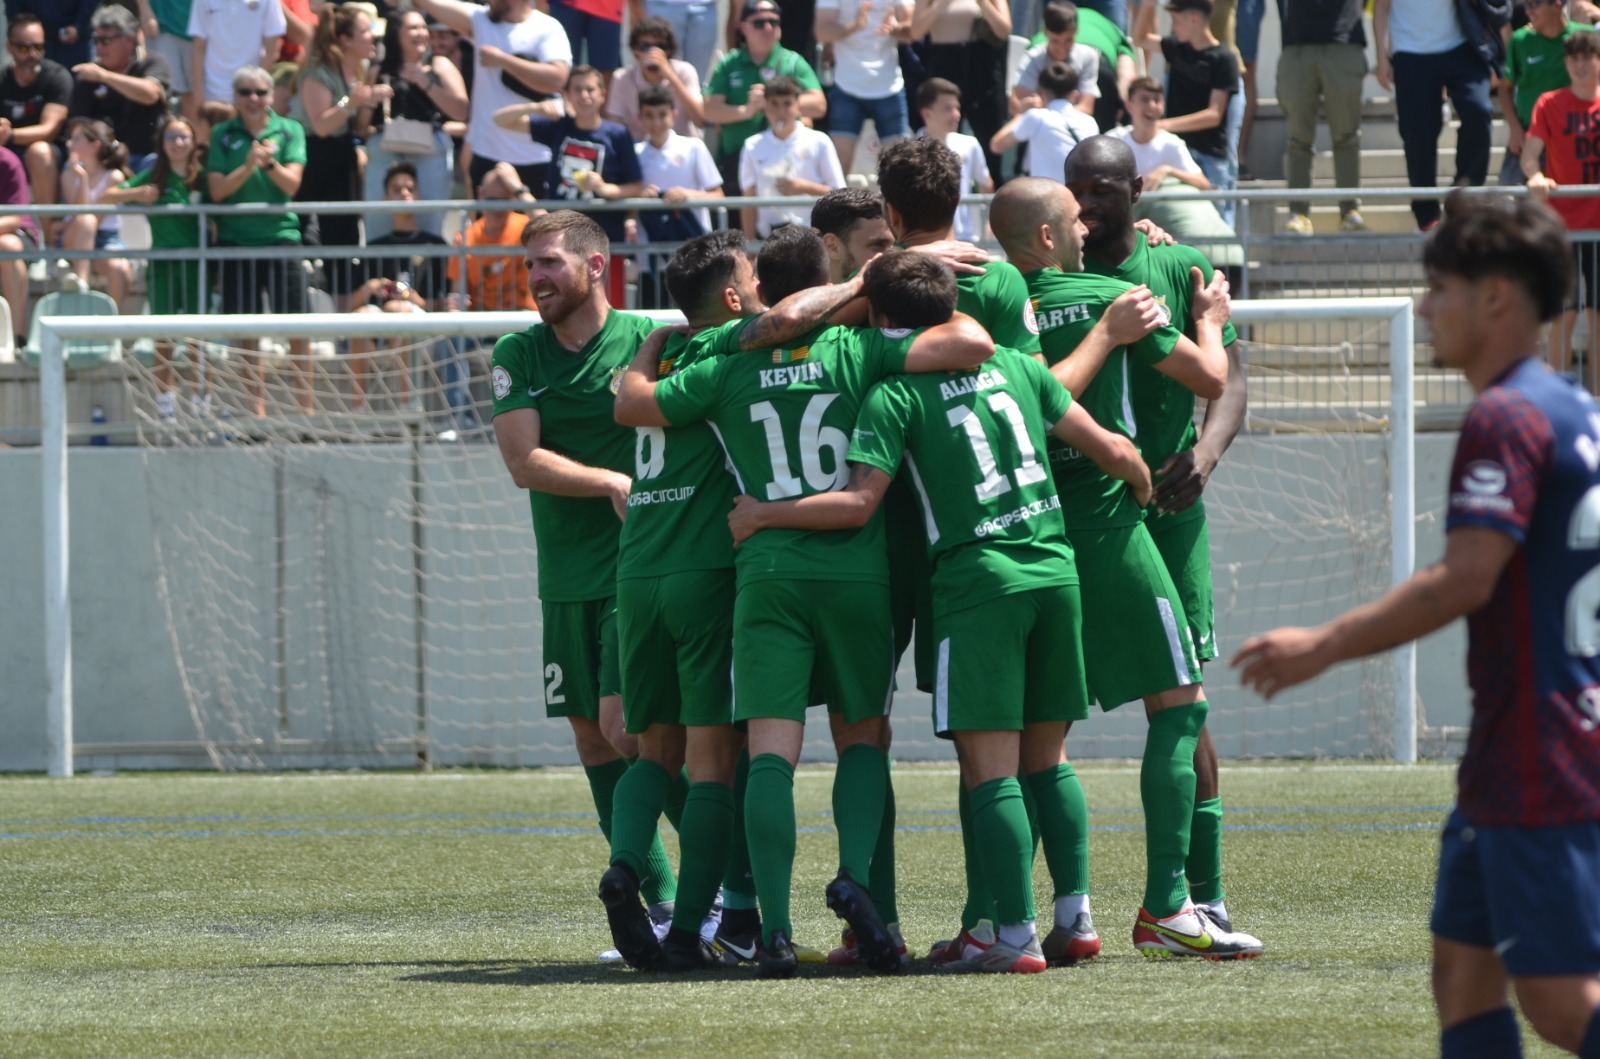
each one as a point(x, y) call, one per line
point(621, 485)
point(1141, 485)
point(964, 259)
point(1181, 480)
point(1540, 186)
point(1154, 234)
point(1212, 301)
point(1280, 659)
point(1134, 314)
point(745, 518)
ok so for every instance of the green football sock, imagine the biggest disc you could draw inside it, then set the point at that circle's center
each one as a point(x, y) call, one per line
point(1032, 810)
point(769, 828)
point(979, 904)
point(1166, 787)
point(738, 886)
point(636, 807)
point(703, 851)
point(1204, 866)
point(859, 784)
point(658, 885)
point(676, 797)
point(883, 884)
point(1064, 823)
point(1001, 823)
point(602, 787)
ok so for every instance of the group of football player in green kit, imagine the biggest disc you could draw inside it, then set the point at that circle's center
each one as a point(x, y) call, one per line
point(712, 559)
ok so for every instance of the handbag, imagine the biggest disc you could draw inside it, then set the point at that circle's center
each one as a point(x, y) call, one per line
point(407, 136)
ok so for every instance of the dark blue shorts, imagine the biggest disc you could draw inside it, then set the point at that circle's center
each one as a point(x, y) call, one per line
point(597, 40)
point(1528, 893)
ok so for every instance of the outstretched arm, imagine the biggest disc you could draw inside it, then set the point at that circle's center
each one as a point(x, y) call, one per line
point(799, 313)
point(847, 508)
point(1110, 451)
point(1457, 585)
point(959, 345)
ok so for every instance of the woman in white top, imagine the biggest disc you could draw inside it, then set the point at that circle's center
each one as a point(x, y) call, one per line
point(94, 164)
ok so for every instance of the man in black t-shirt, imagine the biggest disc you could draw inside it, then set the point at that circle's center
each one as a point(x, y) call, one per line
point(34, 93)
point(120, 89)
point(1203, 76)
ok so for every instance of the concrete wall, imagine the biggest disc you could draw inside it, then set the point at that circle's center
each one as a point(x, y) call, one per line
point(342, 689)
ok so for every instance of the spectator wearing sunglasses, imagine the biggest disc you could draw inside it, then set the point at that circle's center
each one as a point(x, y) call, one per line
point(119, 88)
point(654, 46)
point(1534, 65)
point(66, 26)
point(34, 94)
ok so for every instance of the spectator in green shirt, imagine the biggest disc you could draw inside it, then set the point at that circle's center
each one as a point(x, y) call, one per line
point(1534, 65)
point(736, 94)
point(259, 156)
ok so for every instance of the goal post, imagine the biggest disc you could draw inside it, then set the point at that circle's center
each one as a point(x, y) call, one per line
point(396, 731)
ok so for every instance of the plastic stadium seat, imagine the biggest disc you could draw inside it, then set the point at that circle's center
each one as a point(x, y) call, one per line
point(81, 353)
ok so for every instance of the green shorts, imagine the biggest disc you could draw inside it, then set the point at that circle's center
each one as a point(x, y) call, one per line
point(676, 634)
point(1185, 546)
point(791, 636)
point(1135, 637)
point(1009, 662)
point(580, 657)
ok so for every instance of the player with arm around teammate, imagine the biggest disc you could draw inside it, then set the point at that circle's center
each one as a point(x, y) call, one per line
point(553, 386)
point(1519, 863)
point(811, 607)
point(1136, 639)
point(1006, 619)
point(1102, 176)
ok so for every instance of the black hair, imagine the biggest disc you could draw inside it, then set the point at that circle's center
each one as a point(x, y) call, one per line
point(1581, 42)
point(934, 87)
point(911, 290)
point(654, 27)
point(701, 269)
point(1058, 80)
point(783, 86)
point(1516, 239)
point(843, 208)
point(656, 96)
point(1060, 16)
point(921, 178)
point(792, 259)
point(400, 168)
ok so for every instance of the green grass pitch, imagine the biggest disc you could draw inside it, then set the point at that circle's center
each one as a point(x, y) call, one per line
point(385, 914)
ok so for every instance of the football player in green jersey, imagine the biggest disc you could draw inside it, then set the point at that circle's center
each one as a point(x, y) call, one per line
point(850, 221)
point(1135, 637)
point(553, 387)
point(1104, 179)
point(1010, 669)
point(812, 608)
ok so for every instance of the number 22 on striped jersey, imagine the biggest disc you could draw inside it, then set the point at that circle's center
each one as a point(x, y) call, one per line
point(814, 438)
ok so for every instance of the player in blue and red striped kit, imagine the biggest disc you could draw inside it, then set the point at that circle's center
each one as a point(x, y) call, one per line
point(1517, 904)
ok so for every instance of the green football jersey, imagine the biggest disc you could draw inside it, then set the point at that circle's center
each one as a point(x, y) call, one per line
point(682, 491)
point(1163, 408)
point(575, 395)
point(784, 417)
point(974, 442)
point(1067, 306)
point(998, 300)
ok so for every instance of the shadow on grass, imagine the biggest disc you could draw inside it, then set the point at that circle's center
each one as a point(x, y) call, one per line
point(587, 973)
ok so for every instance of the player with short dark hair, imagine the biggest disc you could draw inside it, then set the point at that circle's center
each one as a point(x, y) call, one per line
point(812, 610)
point(850, 221)
point(1136, 640)
point(1519, 863)
point(1006, 615)
point(1102, 176)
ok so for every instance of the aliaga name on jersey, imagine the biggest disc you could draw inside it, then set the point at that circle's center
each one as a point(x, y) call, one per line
point(1163, 408)
point(1528, 465)
point(575, 396)
point(974, 444)
point(1067, 305)
point(784, 417)
point(682, 491)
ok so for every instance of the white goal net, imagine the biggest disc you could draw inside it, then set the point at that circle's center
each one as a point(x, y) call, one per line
point(356, 586)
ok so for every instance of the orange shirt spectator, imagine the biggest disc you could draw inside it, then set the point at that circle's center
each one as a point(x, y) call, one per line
point(495, 283)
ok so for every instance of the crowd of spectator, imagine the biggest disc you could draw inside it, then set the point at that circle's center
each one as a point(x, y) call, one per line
point(584, 101)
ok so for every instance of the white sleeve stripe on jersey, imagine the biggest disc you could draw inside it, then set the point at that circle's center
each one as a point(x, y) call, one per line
point(727, 457)
point(922, 494)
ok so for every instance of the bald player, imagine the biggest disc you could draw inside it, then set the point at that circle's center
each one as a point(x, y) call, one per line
point(1135, 638)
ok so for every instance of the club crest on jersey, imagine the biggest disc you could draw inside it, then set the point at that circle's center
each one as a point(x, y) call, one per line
point(1484, 478)
point(790, 356)
point(501, 379)
point(1030, 316)
point(616, 379)
point(1164, 310)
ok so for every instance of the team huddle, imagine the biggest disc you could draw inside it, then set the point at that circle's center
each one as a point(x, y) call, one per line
point(869, 437)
